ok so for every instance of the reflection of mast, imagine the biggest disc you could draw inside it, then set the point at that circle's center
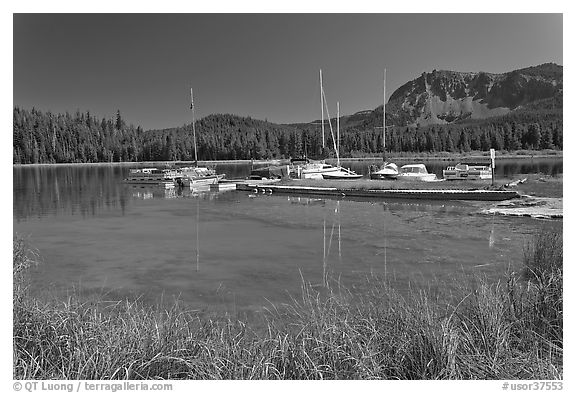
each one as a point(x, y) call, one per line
point(324, 258)
point(385, 242)
point(492, 237)
point(198, 233)
point(327, 251)
point(339, 237)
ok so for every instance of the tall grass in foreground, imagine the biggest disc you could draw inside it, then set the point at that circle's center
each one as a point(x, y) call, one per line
point(510, 330)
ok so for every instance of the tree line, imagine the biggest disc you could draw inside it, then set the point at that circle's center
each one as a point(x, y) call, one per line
point(82, 138)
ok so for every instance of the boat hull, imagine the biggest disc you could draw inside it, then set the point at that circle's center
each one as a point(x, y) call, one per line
point(340, 176)
point(383, 176)
point(417, 177)
point(198, 181)
point(468, 175)
point(151, 182)
point(464, 171)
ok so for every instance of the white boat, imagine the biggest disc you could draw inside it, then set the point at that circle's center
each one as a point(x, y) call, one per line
point(321, 170)
point(416, 172)
point(468, 172)
point(151, 176)
point(311, 169)
point(388, 171)
point(197, 175)
point(341, 173)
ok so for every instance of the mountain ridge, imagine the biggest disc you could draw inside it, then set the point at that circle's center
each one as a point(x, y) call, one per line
point(445, 96)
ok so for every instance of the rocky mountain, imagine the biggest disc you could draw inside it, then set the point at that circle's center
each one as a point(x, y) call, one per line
point(441, 97)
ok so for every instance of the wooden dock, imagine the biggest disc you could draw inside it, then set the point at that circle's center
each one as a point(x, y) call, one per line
point(470, 195)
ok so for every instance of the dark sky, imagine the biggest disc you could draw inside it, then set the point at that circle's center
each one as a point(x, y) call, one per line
point(260, 65)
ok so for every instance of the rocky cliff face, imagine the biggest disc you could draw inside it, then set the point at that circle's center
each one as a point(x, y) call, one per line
point(441, 97)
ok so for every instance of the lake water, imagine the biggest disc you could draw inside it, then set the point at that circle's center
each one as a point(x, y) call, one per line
point(240, 251)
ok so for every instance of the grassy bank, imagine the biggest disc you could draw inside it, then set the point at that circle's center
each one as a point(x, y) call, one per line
point(506, 330)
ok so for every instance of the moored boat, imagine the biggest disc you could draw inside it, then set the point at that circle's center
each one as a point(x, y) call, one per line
point(191, 176)
point(270, 172)
point(388, 171)
point(416, 172)
point(152, 176)
point(311, 169)
point(340, 173)
point(468, 172)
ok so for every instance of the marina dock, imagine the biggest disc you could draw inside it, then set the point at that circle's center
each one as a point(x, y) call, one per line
point(436, 194)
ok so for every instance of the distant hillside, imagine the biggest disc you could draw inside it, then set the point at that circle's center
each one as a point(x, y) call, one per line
point(441, 97)
point(449, 97)
point(438, 111)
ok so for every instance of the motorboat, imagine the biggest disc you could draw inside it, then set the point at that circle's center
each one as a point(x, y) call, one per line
point(416, 172)
point(152, 176)
point(196, 175)
point(311, 169)
point(388, 171)
point(468, 172)
point(270, 172)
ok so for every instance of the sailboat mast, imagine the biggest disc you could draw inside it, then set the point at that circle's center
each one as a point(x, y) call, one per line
point(384, 116)
point(338, 131)
point(322, 107)
point(193, 126)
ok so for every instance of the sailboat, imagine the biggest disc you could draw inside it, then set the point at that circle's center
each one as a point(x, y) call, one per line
point(321, 170)
point(340, 173)
point(388, 170)
point(195, 175)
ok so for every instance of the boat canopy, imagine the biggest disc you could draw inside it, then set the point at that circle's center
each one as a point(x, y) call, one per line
point(414, 168)
point(271, 172)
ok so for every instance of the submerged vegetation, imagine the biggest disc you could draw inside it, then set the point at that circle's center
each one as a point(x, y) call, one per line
point(510, 329)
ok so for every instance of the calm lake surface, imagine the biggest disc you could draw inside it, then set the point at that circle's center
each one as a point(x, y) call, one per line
point(239, 251)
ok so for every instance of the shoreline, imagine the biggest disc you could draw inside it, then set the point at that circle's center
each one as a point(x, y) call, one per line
point(284, 161)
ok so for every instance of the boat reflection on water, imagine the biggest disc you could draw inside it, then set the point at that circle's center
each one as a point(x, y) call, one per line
point(151, 192)
point(196, 192)
point(306, 201)
point(154, 192)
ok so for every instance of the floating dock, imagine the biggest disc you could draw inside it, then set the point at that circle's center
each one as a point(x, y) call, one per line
point(222, 186)
point(231, 184)
point(470, 195)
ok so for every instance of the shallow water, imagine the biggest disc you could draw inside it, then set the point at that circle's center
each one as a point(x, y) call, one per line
point(240, 251)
